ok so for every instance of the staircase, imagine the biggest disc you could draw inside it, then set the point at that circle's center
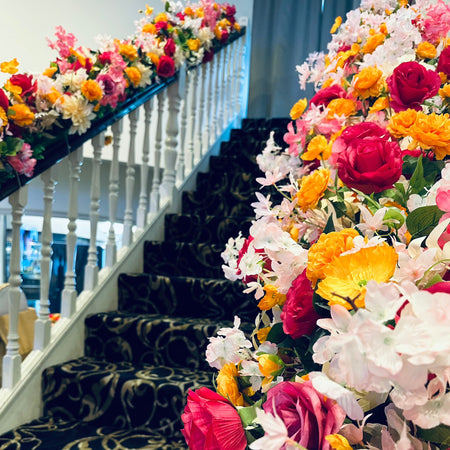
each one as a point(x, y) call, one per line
point(129, 389)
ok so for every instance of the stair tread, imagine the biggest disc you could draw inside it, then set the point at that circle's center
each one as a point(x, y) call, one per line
point(48, 433)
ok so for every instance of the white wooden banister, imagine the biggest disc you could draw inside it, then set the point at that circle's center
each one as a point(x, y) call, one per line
point(12, 360)
point(91, 270)
point(101, 209)
point(69, 293)
point(42, 325)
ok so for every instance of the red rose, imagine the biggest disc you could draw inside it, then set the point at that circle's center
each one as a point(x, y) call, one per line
point(324, 96)
point(444, 62)
point(212, 422)
point(366, 159)
point(230, 10)
point(169, 48)
point(299, 316)
point(308, 416)
point(411, 84)
point(166, 66)
point(25, 82)
point(441, 286)
point(105, 58)
point(208, 56)
point(161, 25)
point(4, 101)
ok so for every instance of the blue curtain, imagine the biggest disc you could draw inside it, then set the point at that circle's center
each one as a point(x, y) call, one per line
point(284, 33)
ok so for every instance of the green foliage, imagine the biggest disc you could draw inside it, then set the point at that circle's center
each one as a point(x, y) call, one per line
point(421, 221)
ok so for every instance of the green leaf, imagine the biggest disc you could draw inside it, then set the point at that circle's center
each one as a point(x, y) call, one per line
point(329, 227)
point(437, 435)
point(436, 279)
point(417, 182)
point(248, 413)
point(421, 221)
point(340, 208)
point(276, 334)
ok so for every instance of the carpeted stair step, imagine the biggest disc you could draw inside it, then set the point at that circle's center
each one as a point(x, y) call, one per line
point(223, 203)
point(218, 299)
point(154, 339)
point(183, 259)
point(120, 394)
point(212, 229)
point(233, 163)
point(48, 433)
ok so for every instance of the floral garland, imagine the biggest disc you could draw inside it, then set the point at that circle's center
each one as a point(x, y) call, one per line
point(83, 85)
point(348, 256)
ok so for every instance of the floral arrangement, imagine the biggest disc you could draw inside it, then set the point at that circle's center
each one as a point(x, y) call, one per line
point(82, 84)
point(348, 255)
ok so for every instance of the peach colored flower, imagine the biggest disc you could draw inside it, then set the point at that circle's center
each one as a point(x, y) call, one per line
point(432, 131)
point(368, 82)
point(149, 28)
point(21, 115)
point(341, 107)
point(426, 50)
point(327, 249)
point(271, 298)
point(91, 90)
point(373, 42)
point(444, 92)
point(400, 124)
point(381, 103)
point(317, 148)
point(133, 75)
point(227, 385)
point(312, 188)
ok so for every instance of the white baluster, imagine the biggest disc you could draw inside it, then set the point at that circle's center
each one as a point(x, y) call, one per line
point(111, 245)
point(216, 99)
point(12, 360)
point(141, 217)
point(190, 155)
point(42, 325)
point(209, 123)
point(69, 293)
point(236, 78)
point(241, 77)
point(221, 93)
point(127, 237)
point(227, 87)
point(156, 181)
point(198, 142)
point(91, 269)
point(170, 150)
point(184, 93)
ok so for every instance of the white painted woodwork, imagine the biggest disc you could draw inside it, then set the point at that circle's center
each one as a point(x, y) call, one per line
point(184, 94)
point(69, 293)
point(141, 218)
point(111, 245)
point(198, 143)
point(43, 324)
point(12, 360)
point(127, 236)
point(191, 86)
point(91, 270)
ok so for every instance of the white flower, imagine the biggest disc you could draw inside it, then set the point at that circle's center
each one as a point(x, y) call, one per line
point(79, 111)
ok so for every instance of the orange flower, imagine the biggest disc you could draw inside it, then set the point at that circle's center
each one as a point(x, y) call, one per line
point(373, 42)
point(133, 75)
point(380, 104)
point(400, 124)
point(129, 51)
point(149, 28)
point(327, 249)
point(21, 115)
point(337, 23)
point(344, 56)
point(162, 17)
point(13, 88)
point(154, 58)
point(148, 10)
point(237, 27)
point(262, 334)
point(91, 90)
point(188, 11)
point(3, 118)
point(193, 44)
point(426, 50)
point(270, 366)
point(368, 82)
point(317, 148)
point(54, 95)
point(227, 385)
point(50, 71)
point(312, 188)
point(341, 107)
point(298, 109)
point(444, 92)
point(432, 131)
point(10, 67)
point(271, 298)
point(346, 277)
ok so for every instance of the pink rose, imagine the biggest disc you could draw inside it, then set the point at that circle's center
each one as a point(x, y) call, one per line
point(299, 316)
point(411, 84)
point(444, 62)
point(22, 162)
point(308, 416)
point(166, 67)
point(366, 159)
point(212, 422)
point(169, 48)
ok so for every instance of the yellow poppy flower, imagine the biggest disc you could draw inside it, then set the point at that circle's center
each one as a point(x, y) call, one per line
point(271, 298)
point(227, 385)
point(312, 188)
